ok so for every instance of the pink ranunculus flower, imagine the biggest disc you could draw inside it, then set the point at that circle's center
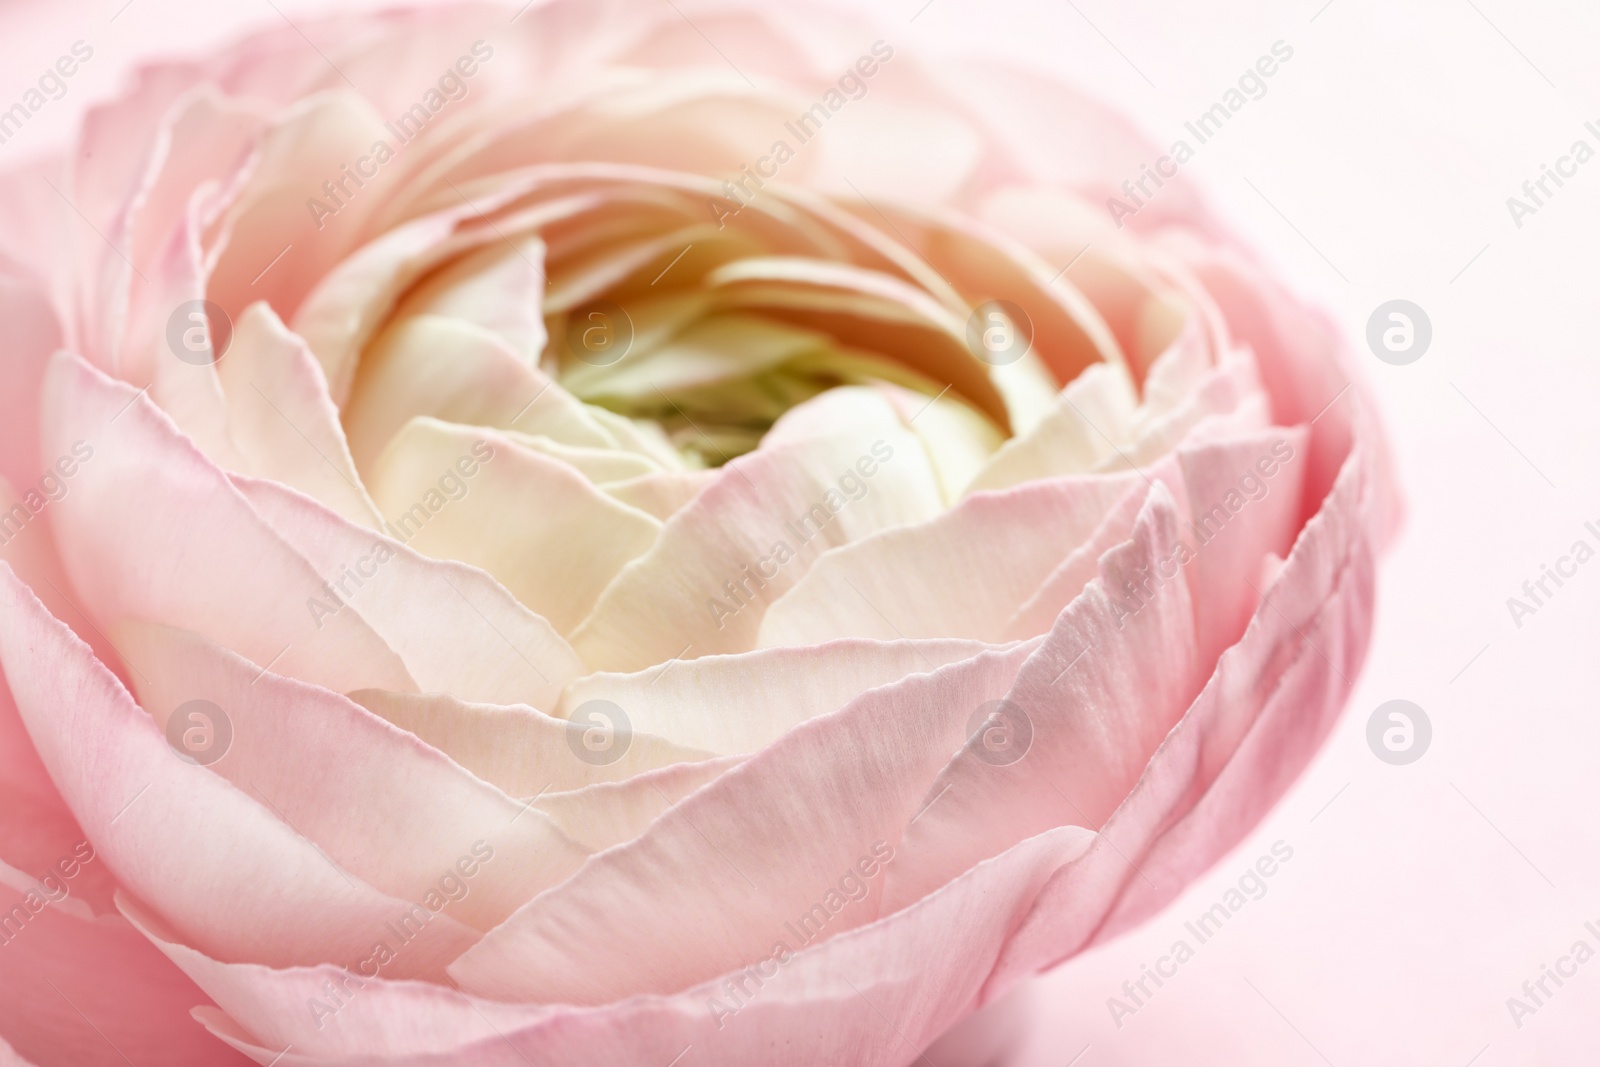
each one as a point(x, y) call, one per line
point(632, 534)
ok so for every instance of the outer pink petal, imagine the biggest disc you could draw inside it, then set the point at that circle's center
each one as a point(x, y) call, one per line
point(191, 393)
point(1053, 136)
point(39, 838)
point(381, 804)
point(1201, 476)
point(1086, 712)
point(1234, 530)
point(119, 138)
point(31, 332)
point(1082, 564)
point(872, 997)
point(268, 216)
point(131, 1000)
point(1260, 718)
point(148, 495)
point(181, 838)
point(328, 1011)
point(9, 1057)
point(32, 555)
point(33, 218)
point(195, 154)
point(760, 839)
point(1305, 369)
point(95, 993)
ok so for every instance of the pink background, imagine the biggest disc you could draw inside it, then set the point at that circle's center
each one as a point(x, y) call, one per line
point(1376, 167)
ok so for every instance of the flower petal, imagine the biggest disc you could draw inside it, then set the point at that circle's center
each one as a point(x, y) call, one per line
point(185, 841)
point(1094, 412)
point(498, 287)
point(762, 839)
point(267, 218)
point(707, 703)
point(326, 1011)
point(1269, 703)
point(457, 629)
point(662, 493)
point(456, 372)
point(281, 419)
point(870, 997)
point(605, 814)
point(379, 803)
point(669, 601)
point(95, 992)
point(31, 335)
point(878, 587)
point(542, 529)
point(147, 494)
point(1081, 721)
point(524, 752)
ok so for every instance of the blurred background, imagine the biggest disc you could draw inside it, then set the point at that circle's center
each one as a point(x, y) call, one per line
point(1376, 167)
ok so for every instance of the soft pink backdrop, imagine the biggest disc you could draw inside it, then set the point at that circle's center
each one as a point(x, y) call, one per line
point(1378, 165)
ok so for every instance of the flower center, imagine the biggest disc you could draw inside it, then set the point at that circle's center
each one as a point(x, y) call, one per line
point(689, 331)
point(717, 383)
point(711, 326)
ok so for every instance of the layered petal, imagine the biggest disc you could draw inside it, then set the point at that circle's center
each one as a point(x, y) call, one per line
point(377, 802)
point(457, 630)
point(710, 703)
point(146, 493)
point(541, 528)
point(750, 536)
point(281, 421)
point(646, 603)
point(767, 839)
point(179, 837)
point(999, 570)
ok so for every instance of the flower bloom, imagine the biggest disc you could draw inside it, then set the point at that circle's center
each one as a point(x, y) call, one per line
point(551, 539)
